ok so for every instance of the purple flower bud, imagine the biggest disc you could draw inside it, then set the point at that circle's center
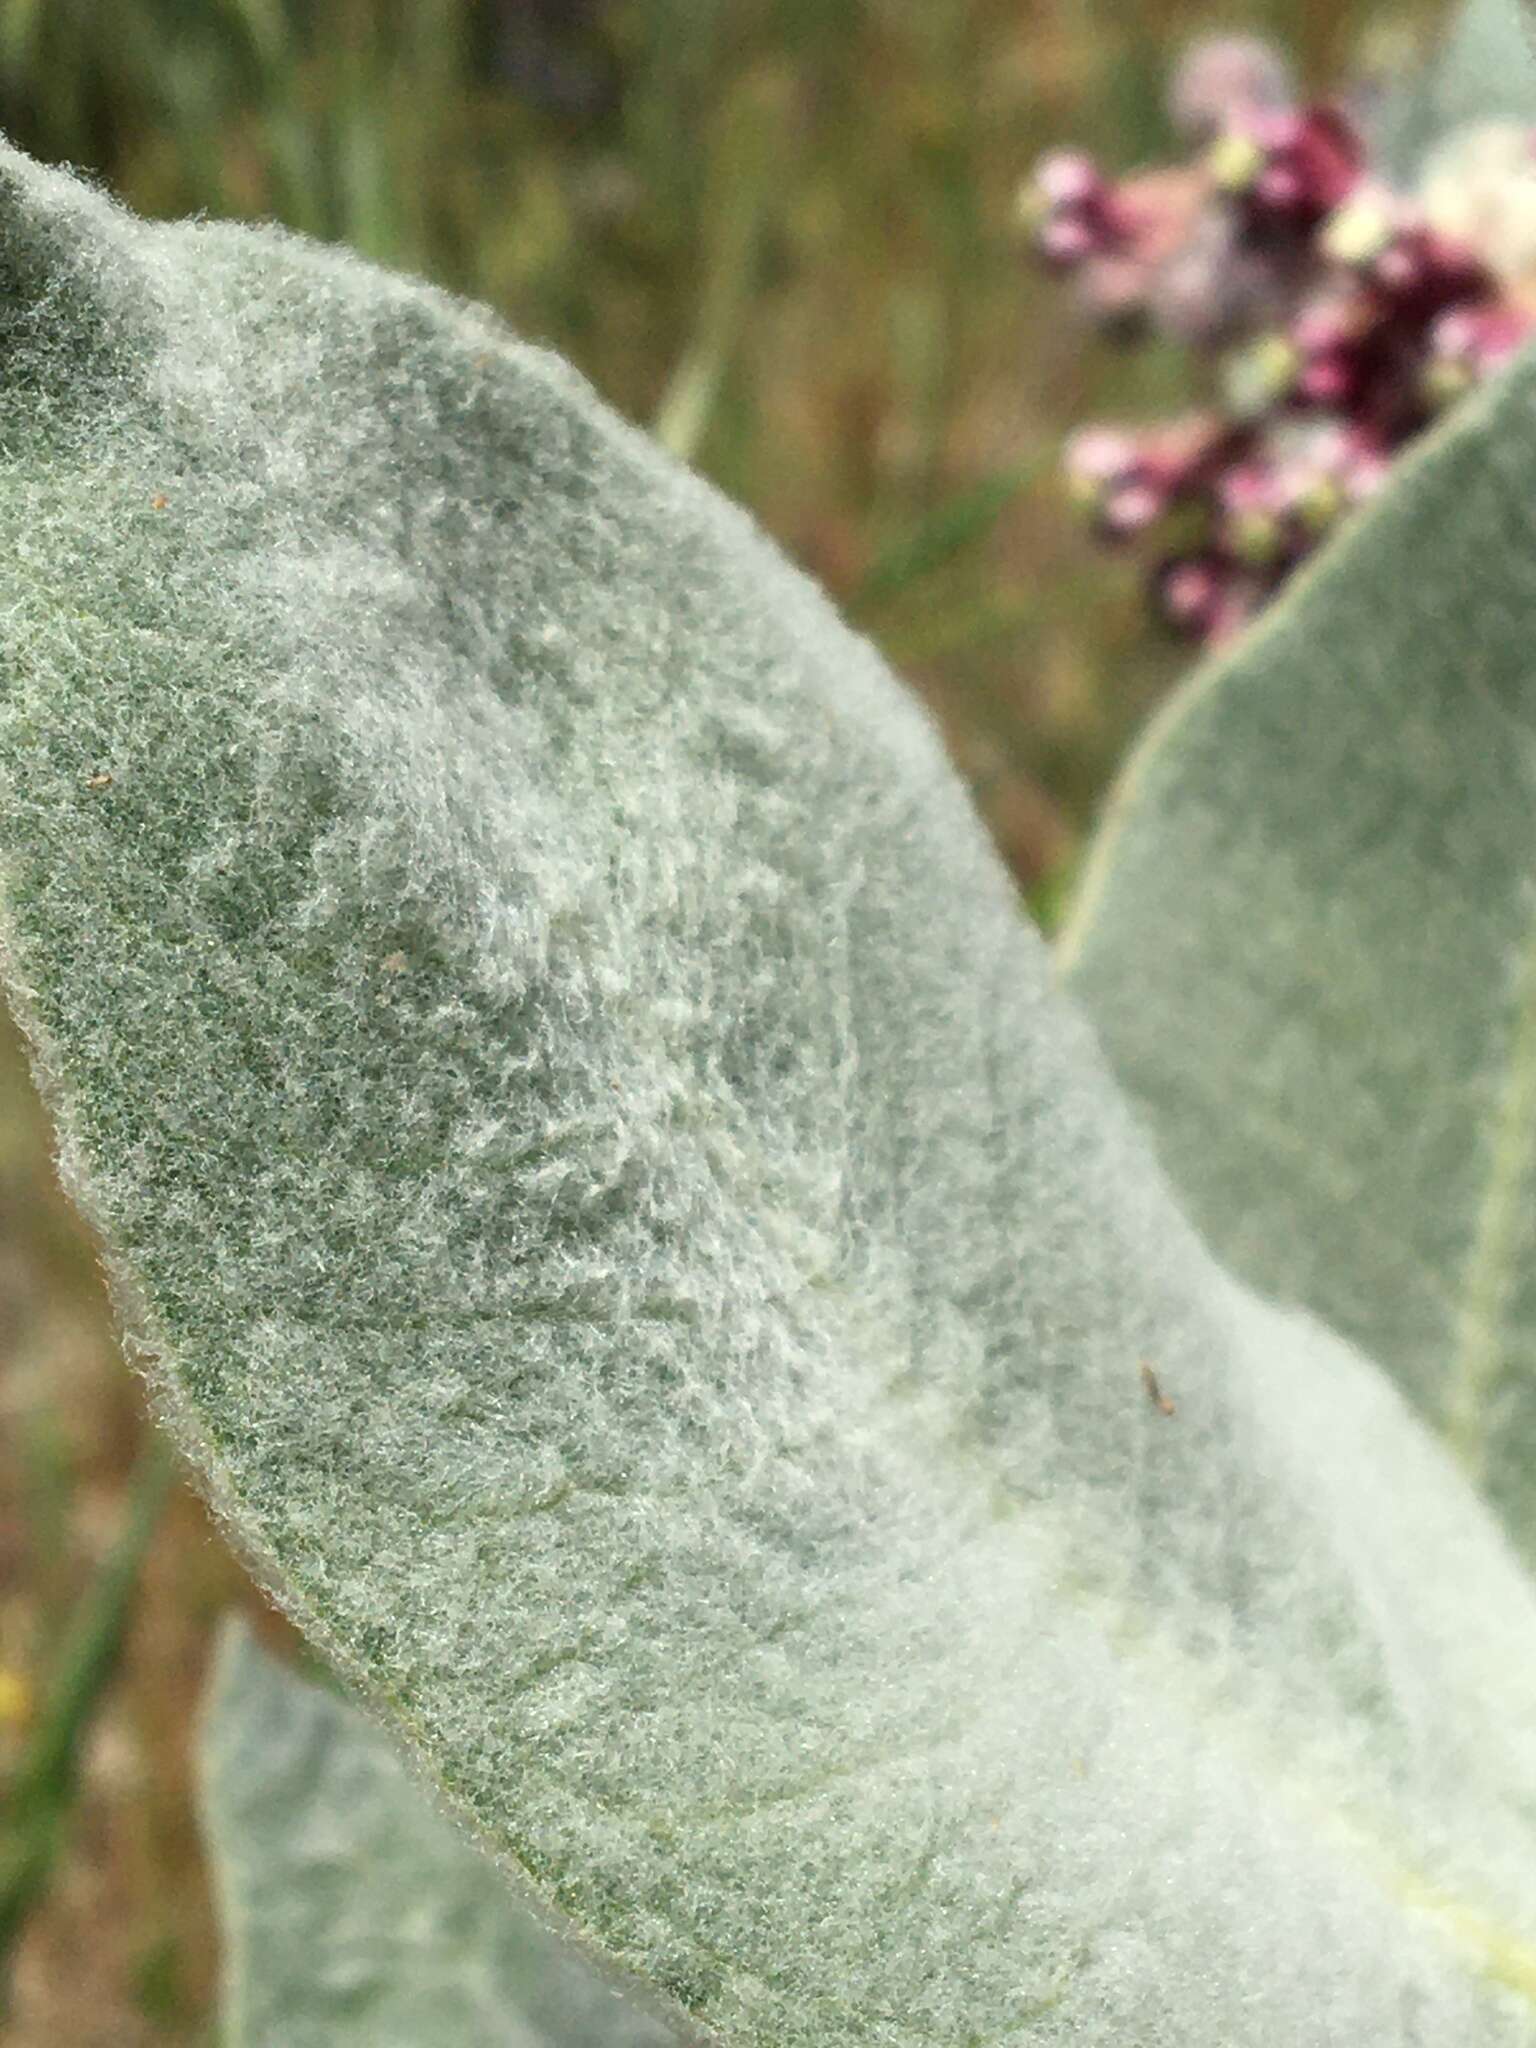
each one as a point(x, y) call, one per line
point(1414, 270)
point(1422, 274)
point(1469, 343)
point(1336, 343)
point(1253, 502)
point(1188, 591)
point(1343, 354)
point(1117, 238)
point(1072, 210)
point(1113, 477)
point(1206, 596)
point(1066, 241)
point(1327, 467)
point(1069, 178)
point(1288, 169)
point(1222, 80)
point(1128, 481)
point(1275, 502)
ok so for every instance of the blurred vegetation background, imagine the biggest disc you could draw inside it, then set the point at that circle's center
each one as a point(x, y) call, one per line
point(782, 233)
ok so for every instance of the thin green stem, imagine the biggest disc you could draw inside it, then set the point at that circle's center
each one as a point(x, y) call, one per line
point(747, 164)
point(951, 528)
point(43, 1787)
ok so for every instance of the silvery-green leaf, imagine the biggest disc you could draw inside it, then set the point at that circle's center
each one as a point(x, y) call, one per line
point(582, 1128)
point(353, 1913)
point(1482, 69)
point(1307, 941)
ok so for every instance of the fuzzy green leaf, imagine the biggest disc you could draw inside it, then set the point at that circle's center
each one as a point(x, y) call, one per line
point(585, 1134)
point(1483, 69)
point(1307, 940)
point(1487, 69)
point(356, 1915)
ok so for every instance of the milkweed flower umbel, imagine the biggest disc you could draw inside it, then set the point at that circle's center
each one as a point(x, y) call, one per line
point(1337, 312)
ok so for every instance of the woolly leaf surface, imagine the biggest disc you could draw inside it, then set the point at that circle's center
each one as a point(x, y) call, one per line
point(354, 1913)
point(1308, 942)
point(1482, 68)
point(642, 1253)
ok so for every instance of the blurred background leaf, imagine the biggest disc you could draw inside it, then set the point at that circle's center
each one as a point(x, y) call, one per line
point(1483, 67)
point(359, 1915)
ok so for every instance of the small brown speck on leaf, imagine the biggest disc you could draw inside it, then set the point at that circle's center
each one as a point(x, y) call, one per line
point(1155, 1394)
point(100, 780)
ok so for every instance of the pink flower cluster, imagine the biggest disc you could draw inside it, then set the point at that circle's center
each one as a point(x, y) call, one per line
point(1339, 317)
